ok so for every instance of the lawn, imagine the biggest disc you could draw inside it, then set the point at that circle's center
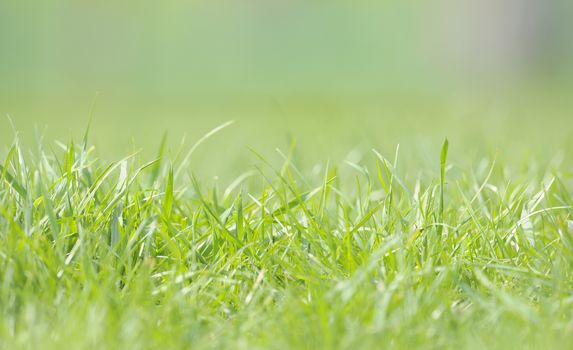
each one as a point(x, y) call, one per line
point(286, 174)
point(426, 244)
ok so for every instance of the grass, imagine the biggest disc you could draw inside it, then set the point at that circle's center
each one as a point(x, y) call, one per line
point(143, 254)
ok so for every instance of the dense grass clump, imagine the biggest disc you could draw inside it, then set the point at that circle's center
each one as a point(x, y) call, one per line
point(134, 254)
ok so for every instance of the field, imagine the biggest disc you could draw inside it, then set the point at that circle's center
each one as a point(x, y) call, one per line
point(430, 244)
point(286, 175)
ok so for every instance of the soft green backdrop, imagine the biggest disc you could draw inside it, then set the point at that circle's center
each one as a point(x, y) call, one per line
point(335, 76)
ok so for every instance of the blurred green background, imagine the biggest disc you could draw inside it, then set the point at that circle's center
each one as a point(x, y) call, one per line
point(333, 75)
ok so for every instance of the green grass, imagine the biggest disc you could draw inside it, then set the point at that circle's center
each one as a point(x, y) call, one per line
point(140, 253)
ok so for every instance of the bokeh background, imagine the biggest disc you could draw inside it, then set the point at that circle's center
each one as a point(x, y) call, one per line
point(335, 76)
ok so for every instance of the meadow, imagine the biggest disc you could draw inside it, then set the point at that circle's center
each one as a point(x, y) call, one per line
point(286, 175)
point(277, 243)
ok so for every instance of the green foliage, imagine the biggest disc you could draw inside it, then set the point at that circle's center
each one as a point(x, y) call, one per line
point(134, 254)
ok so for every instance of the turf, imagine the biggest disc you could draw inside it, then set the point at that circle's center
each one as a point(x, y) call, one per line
point(139, 253)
